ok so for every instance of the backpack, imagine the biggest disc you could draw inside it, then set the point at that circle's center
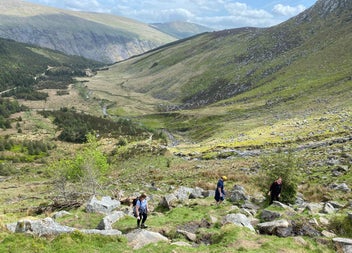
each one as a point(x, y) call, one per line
point(134, 203)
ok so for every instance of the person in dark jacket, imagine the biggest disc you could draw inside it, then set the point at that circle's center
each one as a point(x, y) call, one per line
point(275, 190)
point(220, 191)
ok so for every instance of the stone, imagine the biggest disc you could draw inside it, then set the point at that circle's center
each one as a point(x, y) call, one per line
point(44, 227)
point(238, 219)
point(268, 215)
point(168, 201)
point(183, 193)
point(106, 205)
point(141, 237)
point(328, 208)
point(60, 214)
point(328, 234)
point(343, 245)
point(107, 222)
point(196, 193)
point(190, 236)
point(277, 227)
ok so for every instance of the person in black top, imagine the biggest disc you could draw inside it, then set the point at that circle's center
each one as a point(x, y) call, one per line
point(275, 190)
point(220, 191)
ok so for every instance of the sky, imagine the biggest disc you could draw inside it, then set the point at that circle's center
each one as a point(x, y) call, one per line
point(216, 14)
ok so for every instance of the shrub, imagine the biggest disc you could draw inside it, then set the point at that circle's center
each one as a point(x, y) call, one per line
point(284, 165)
point(341, 225)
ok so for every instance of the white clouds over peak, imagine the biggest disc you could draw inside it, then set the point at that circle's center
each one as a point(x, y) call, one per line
point(218, 14)
point(288, 10)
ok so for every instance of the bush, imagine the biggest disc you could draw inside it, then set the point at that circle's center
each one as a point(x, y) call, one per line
point(284, 165)
point(341, 225)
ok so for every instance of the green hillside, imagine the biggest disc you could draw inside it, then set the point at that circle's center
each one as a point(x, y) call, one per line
point(241, 81)
point(21, 63)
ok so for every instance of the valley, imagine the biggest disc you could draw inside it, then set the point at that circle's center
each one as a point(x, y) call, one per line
point(251, 104)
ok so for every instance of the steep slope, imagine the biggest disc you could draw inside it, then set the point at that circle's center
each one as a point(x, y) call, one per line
point(101, 37)
point(20, 63)
point(220, 65)
point(243, 80)
point(181, 29)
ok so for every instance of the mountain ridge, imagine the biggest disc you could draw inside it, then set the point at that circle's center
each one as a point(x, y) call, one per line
point(258, 54)
point(120, 37)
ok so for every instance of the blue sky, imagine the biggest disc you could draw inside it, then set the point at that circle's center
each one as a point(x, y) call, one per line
point(217, 14)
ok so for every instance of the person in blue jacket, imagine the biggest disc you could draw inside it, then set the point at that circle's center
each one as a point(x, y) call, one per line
point(220, 191)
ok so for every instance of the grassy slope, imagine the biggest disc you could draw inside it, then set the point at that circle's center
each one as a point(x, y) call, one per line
point(308, 81)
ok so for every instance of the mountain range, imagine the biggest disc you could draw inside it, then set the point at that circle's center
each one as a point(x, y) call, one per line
point(101, 37)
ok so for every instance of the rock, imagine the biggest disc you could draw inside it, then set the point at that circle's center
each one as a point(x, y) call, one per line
point(11, 227)
point(183, 193)
point(300, 240)
point(268, 215)
point(336, 204)
point(182, 244)
point(107, 221)
point(60, 214)
point(48, 227)
point(209, 193)
point(314, 208)
point(237, 194)
point(238, 219)
point(306, 230)
point(106, 205)
point(328, 234)
point(340, 187)
point(328, 208)
point(101, 232)
point(190, 236)
point(168, 201)
point(324, 221)
point(196, 193)
point(343, 245)
point(45, 227)
point(141, 237)
point(280, 228)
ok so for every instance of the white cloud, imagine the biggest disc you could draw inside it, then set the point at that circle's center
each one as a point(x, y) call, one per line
point(288, 10)
point(219, 14)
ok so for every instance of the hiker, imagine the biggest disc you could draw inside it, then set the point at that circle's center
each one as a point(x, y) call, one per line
point(219, 191)
point(142, 211)
point(275, 190)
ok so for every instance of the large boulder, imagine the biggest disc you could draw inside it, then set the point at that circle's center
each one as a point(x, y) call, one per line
point(169, 201)
point(140, 237)
point(106, 205)
point(183, 193)
point(107, 221)
point(48, 227)
point(238, 219)
point(44, 227)
point(280, 228)
point(238, 193)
